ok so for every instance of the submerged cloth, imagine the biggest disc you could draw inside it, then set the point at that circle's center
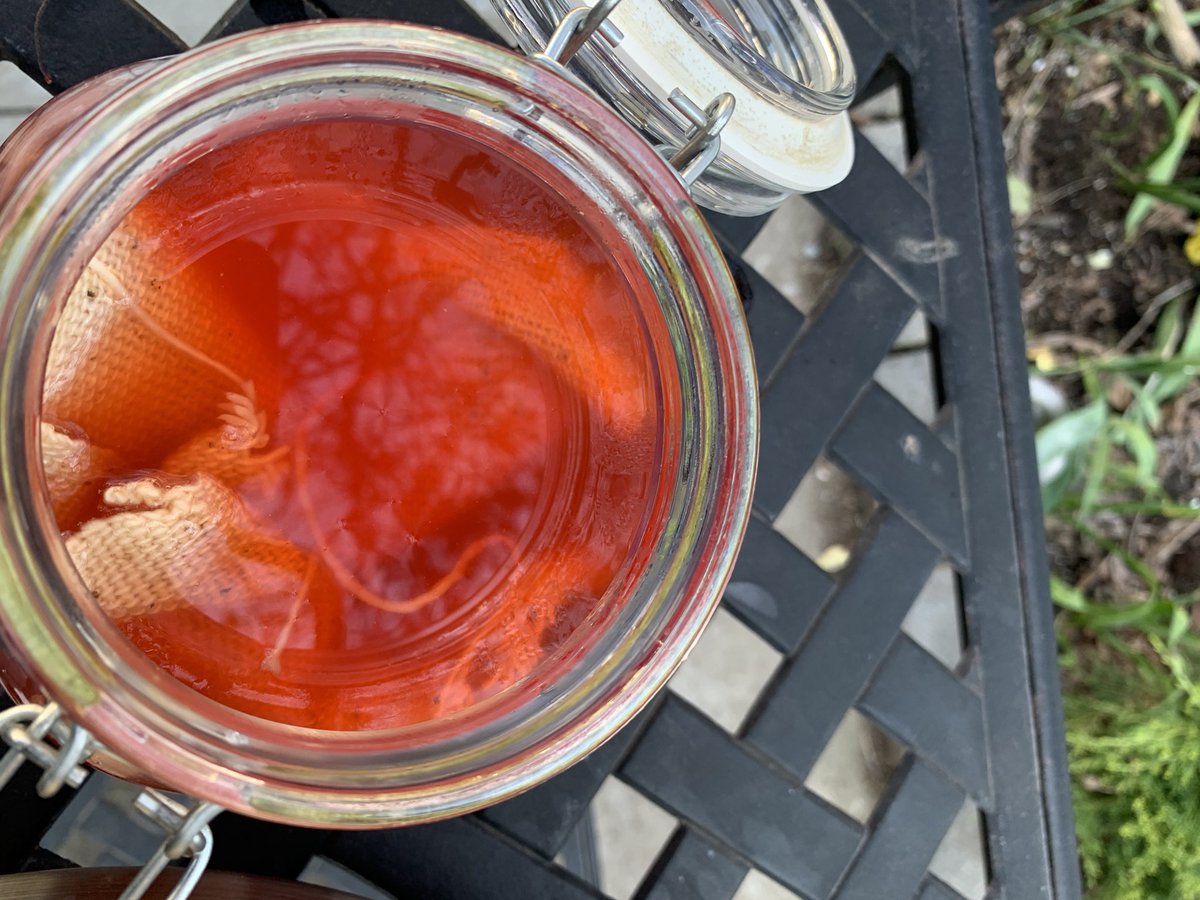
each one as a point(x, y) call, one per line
point(156, 409)
point(145, 353)
point(188, 544)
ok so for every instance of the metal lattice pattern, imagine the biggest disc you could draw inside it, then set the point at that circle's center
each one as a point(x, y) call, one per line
point(948, 494)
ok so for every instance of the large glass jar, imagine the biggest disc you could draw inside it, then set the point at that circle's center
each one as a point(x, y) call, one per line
point(70, 175)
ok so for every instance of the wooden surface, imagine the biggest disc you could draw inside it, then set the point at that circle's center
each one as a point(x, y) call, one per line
point(107, 884)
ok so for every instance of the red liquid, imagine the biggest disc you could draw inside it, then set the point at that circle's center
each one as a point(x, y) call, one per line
point(444, 436)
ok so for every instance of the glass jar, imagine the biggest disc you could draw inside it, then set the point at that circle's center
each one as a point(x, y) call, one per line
point(78, 166)
point(785, 61)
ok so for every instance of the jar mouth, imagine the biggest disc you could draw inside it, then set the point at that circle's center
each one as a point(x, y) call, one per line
point(90, 176)
point(791, 51)
point(785, 63)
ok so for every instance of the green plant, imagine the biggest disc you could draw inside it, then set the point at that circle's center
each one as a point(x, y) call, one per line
point(1126, 635)
point(1150, 79)
point(1063, 21)
point(1104, 453)
point(1159, 182)
point(1133, 731)
point(1132, 708)
point(1103, 456)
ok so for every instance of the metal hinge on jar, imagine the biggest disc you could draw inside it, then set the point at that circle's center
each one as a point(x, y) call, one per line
point(42, 735)
point(703, 141)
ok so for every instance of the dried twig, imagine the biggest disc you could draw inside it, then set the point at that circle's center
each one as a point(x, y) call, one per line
point(1175, 535)
point(1180, 36)
point(1095, 572)
point(1151, 314)
point(1021, 132)
point(1079, 343)
point(1106, 95)
point(1063, 193)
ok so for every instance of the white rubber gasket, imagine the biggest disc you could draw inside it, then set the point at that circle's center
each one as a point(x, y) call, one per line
point(780, 146)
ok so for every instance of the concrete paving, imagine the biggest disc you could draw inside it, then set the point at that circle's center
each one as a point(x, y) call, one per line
point(19, 96)
point(190, 19)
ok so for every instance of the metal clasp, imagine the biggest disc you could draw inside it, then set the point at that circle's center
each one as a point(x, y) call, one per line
point(703, 143)
point(25, 730)
point(187, 835)
point(576, 29)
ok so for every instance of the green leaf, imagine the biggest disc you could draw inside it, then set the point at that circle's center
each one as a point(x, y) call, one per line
point(1137, 364)
point(1061, 446)
point(1154, 84)
point(1140, 444)
point(1187, 184)
point(1058, 10)
point(1179, 626)
point(1104, 616)
point(1094, 387)
point(1142, 614)
point(1168, 329)
point(1191, 341)
point(1097, 12)
point(1145, 409)
point(1060, 440)
point(1135, 508)
point(1059, 492)
point(1123, 476)
point(1169, 193)
point(1067, 597)
point(1171, 385)
point(1020, 197)
point(1097, 472)
point(1162, 170)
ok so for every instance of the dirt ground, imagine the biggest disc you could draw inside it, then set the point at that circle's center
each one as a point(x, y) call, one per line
point(1071, 125)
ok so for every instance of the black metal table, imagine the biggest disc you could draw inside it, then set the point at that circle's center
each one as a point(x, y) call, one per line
point(964, 491)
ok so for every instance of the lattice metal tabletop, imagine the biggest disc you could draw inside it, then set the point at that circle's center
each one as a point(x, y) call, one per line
point(961, 493)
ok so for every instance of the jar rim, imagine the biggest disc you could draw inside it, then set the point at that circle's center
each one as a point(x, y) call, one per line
point(784, 63)
point(791, 50)
point(78, 185)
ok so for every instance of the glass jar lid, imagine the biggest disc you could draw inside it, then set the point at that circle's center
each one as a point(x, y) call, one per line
point(748, 97)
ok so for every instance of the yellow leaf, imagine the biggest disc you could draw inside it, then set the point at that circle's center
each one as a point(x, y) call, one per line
point(1191, 248)
point(834, 558)
point(1020, 197)
point(1044, 359)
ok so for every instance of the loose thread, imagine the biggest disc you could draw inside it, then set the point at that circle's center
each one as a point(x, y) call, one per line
point(347, 579)
point(243, 415)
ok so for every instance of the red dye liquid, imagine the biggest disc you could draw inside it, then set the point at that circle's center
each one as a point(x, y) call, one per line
point(429, 395)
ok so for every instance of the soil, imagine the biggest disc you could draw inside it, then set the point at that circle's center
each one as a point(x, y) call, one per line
point(1071, 125)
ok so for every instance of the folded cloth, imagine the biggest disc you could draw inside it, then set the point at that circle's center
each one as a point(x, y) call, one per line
point(148, 352)
point(76, 472)
point(168, 546)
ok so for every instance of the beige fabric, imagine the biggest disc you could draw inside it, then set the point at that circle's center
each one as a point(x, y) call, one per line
point(206, 453)
point(591, 352)
point(186, 544)
point(117, 369)
point(75, 472)
point(144, 364)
